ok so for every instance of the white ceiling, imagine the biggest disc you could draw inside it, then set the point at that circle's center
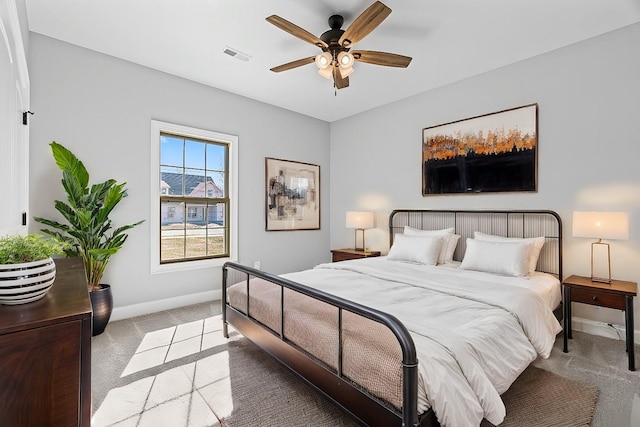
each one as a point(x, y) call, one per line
point(449, 40)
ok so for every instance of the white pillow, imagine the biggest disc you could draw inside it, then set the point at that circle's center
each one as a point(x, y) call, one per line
point(536, 244)
point(416, 249)
point(449, 245)
point(509, 258)
point(409, 230)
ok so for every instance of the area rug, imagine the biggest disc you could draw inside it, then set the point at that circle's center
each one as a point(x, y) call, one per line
point(538, 398)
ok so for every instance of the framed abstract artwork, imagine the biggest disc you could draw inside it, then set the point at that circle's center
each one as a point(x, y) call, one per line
point(292, 195)
point(495, 152)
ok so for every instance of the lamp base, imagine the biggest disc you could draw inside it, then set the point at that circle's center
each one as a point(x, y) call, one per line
point(363, 248)
point(601, 279)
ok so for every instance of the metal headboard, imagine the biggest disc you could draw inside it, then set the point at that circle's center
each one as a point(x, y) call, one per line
point(526, 223)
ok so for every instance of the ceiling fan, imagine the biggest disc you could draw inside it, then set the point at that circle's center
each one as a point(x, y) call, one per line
point(337, 59)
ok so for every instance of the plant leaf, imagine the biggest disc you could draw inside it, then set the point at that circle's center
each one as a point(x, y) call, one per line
point(67, 161)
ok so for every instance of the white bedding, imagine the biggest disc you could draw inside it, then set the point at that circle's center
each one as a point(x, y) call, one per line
point(546, 286)
point(474, 332)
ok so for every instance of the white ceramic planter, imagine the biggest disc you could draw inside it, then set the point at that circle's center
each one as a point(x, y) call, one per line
point(22, 283)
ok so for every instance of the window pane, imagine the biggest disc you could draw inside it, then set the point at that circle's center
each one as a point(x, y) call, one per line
point(171, 181)
point(194, 154)
point(194, 183)
point(215, 185)
point(172, 231)
point(172, 245)
point(172, 215)
point(216, 230)
point(196, 230)
point(216, 243)
point(171, 150)
point(216, 155)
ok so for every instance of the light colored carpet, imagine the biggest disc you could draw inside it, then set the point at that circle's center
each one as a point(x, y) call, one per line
point(238, 402)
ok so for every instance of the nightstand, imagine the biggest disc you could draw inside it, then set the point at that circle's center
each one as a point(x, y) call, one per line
point(347, 254)
point(618, 294)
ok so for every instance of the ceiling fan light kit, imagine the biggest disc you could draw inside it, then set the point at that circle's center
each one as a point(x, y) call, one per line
point(326, 72)
point(336, 60)
point(323, 60)
point(345, 59)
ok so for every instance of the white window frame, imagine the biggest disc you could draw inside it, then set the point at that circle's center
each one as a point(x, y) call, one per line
point(158, 127)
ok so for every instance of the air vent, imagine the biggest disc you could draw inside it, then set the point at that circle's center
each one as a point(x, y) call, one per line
point(236, 54)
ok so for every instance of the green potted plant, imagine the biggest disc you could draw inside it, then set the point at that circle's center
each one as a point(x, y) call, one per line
point(27, 270)
point(88, 228)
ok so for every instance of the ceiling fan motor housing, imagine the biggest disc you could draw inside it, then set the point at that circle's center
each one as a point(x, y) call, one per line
point(332, 36)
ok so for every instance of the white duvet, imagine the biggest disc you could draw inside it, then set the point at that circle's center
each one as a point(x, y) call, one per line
point(474, 332)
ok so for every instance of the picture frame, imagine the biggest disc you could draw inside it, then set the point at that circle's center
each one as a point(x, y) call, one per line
point(491, 153)
point(292, 195)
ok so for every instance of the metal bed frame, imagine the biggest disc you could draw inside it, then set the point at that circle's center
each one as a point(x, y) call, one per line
point(361, 405)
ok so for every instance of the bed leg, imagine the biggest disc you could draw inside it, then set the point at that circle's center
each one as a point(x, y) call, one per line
point(225, 330)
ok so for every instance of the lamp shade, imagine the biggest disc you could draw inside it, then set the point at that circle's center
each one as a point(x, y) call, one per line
point(359, 220)
point(601, 225)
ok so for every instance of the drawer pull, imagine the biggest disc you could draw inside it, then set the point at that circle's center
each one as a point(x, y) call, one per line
point(595, 298)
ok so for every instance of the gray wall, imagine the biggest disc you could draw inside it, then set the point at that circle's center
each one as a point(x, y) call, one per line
point(588, 97)
point(100, 108)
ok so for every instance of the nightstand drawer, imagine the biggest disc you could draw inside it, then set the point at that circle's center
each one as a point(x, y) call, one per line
point(598, 298)
point(347, 254)
point(341, 256)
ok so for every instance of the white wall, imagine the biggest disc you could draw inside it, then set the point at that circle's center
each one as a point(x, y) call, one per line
point(588, 97)
point(100, 108)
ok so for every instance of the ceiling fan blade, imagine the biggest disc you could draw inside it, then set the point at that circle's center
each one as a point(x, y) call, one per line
point(293, 64)
point(338, 80)
point(366, 22)
point(382, 58)
point(294, 30)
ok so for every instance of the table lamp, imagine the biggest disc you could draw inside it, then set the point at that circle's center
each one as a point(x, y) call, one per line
point(360, 221)
point(601, 225)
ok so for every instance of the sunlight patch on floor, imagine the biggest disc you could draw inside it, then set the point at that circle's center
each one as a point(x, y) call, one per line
point(165, 345)
point(195, 394)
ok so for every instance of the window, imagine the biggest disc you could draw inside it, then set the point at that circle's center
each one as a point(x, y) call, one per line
point(194, 177)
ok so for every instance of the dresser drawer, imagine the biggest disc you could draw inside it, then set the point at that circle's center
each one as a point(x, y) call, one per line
point(601, 299)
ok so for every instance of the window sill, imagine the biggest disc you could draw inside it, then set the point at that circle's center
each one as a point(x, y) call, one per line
point(188, 265)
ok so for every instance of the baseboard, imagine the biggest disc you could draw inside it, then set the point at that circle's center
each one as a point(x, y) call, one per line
point(602, 329)
point(134, 310)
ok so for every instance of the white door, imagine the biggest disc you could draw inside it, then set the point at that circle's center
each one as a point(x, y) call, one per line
point(14, 136)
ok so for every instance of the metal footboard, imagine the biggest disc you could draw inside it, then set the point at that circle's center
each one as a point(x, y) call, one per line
point(364, 407)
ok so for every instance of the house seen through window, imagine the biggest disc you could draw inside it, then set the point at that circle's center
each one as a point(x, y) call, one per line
point(194, 200)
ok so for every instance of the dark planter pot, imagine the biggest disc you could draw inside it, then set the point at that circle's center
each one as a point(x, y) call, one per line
point(102, 305)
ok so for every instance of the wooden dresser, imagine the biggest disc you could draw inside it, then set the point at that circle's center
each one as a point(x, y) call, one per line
point(45, 355)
